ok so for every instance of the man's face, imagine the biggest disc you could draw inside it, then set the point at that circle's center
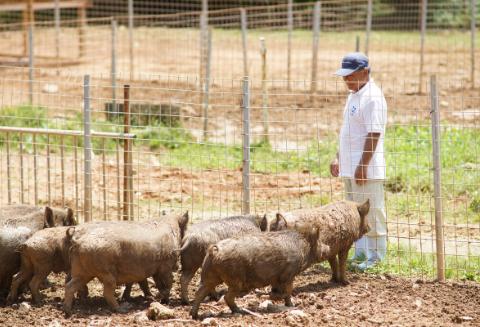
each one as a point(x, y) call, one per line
point(356, 80)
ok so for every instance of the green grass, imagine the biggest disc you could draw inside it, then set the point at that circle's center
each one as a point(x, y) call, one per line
point(408, 154)
point(407, 261)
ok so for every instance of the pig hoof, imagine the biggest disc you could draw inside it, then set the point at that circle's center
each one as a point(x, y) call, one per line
point(67, 311)
point(238, 310)
point(194, 315)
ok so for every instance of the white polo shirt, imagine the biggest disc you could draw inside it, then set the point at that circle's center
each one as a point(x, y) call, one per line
point(365, 112)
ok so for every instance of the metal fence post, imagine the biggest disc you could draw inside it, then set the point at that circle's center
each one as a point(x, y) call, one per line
point(369, 25)
point(203, 40)
point(127, 160)
point(113, 64)
point(473, 28)
point(357, 43)
point(206, 88)
point(423, 27)
point(263, 53)
point(243, 18)
point(289, 43)
point(130, 36)
point(316, 32)
point(437, 173)
point(87, 207)
point(246, 146)
point(30, 64)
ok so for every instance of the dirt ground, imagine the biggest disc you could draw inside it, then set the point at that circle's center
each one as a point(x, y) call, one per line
point(369, 300)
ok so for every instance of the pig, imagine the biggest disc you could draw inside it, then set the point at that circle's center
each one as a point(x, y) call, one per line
point(340, 224)
point(258, 260)
point(16, 228)
point(11, 238)
point(17, 210)
point(37, 219)
point(44, 252)
point(203, 234)
point(124, 252)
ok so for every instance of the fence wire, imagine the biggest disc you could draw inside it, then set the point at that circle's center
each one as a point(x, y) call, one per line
point(186, 111)
point(186, 155)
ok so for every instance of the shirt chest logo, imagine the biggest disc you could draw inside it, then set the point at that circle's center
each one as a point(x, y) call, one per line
point(353, 110)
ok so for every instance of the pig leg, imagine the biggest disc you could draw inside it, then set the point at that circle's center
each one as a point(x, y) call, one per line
point(164, 283)
point(126, 292)
point(20, 278)
point(145, 288)
point(201, 294)
point(282, 291)
point(342, 263)
point(128, 289)
point(288, 295)
point(83, 292)
point(35, 284)
point(109, 285)
point(334, 266)
point(184, 282)
point(230, 299)
point(74, 285)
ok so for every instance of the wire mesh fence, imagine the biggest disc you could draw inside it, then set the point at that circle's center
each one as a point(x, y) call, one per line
point(186, 155)
point(187, 110)
point(447, 47)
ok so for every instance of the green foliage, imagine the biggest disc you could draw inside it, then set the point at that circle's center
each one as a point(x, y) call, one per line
point(408, 261)
point(161, 136)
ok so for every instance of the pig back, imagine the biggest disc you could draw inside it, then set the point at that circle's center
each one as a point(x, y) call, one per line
point(203, 234)
point(17, 210)
point(338, 223)
point(49, 245)
point(259, 260)
point(130, 251)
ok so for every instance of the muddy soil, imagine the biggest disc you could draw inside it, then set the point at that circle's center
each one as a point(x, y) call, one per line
point(369, 300)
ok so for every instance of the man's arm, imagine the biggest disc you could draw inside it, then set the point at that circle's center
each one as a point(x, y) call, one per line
point(369, 147)
point(334, 168)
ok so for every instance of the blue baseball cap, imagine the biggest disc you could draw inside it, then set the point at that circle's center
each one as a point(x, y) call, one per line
point(351, 63)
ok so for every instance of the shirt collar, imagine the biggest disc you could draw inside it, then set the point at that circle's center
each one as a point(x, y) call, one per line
point(364, 88)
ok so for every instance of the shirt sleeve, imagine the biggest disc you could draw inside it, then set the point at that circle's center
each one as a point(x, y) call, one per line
point(375, 115)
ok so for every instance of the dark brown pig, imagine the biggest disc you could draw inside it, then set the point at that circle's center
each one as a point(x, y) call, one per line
point(258, 260)
point(339, 224)
point(44, 252)
point(203, 234)
point(125, 252)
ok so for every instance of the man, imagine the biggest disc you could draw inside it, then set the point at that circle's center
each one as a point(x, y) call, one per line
point(360, 160)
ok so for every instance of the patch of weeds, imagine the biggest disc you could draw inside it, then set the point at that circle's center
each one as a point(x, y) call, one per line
point(396, 184)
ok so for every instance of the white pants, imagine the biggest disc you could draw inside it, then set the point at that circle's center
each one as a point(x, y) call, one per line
point(372, 245)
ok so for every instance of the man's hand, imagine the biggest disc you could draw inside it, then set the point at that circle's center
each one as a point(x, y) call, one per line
point(361, 174)
point(334, 168)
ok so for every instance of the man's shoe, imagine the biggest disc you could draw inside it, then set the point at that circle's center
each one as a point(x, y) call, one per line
point(361, 267)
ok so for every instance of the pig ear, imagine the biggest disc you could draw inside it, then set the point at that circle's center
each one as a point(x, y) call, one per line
point(48, 218)
point(70, 219)
point(281, 221)
point(364, 208)
point(264, 223)
point(183, 220)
